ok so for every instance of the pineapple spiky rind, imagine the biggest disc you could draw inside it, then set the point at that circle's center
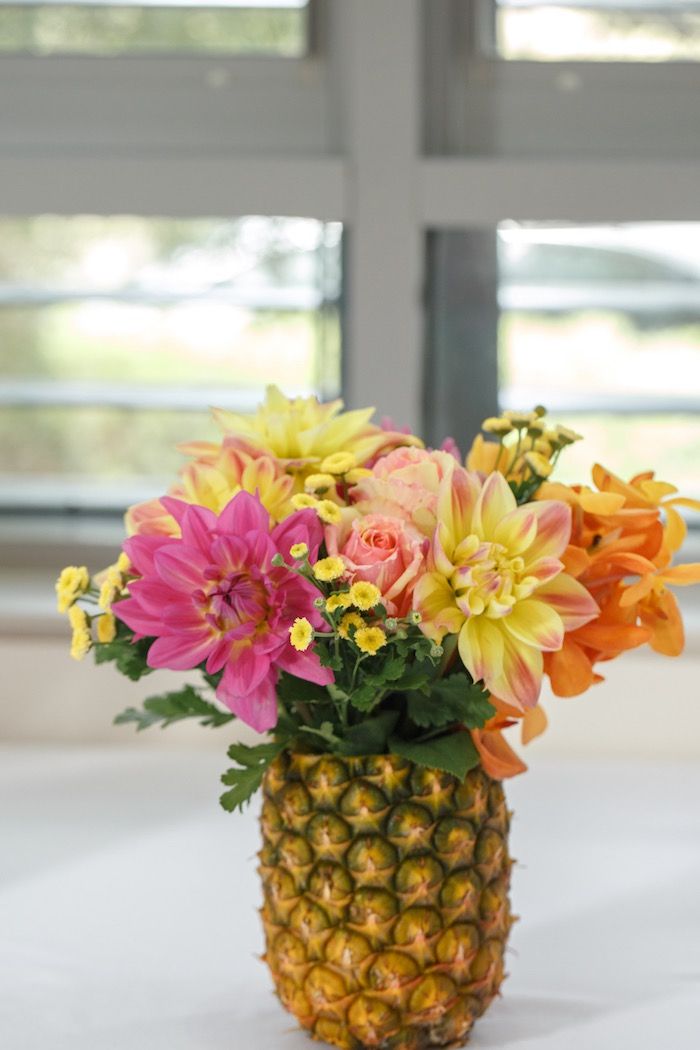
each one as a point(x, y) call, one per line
point(386, 907)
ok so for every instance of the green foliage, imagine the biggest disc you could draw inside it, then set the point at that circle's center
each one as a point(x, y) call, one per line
point(129, 656)
point(450, 700)
point(291, 690)
point(244, 779)
point(370, 737)
point(173, 707)
point(453, 753)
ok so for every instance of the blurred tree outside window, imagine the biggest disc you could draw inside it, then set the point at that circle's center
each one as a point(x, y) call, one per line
point(118, 332)
point(602, 324)
point(273, 27)
point(597, 30)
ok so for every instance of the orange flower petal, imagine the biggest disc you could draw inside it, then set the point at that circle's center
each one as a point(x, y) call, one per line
point(534, 723)
point(576, 560)
point(612, 638)
point(570, 670)
point(682, 575)
point(497, 756)
point(663, 618)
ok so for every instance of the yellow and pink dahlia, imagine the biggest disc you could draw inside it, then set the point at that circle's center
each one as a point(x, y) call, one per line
point(495, 579)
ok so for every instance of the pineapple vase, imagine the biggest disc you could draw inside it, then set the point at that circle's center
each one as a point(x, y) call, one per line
point(386, 909)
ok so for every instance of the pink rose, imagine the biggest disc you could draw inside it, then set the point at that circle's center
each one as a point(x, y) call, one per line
point(404, 484)
point(388, 552)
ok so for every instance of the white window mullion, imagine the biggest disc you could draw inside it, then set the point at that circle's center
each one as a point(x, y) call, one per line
point(376, 44)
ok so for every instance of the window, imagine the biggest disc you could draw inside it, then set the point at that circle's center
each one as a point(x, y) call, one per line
point(599, 323)
point(117, 333)
point(597, 30)
point(98, 27)
point(602, 324)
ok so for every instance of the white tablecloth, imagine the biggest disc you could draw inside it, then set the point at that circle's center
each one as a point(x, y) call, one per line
point(128, 909)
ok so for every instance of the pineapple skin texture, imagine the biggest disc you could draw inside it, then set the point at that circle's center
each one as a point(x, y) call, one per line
point(386, 909)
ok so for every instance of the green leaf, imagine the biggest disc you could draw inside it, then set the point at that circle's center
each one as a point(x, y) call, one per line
point(414, 678)
point(245, 780)
point(292, 690)
point(325, 731)
point(327, 658)
point(453, 753)
point(393, 669)
point(173, 707)
point(130, 657)
point(451, 700)
point(369, 737)
point(366, 696)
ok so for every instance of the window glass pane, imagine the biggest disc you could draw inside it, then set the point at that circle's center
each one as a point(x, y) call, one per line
point(278, 27)
point(602, 324)
point(598, 30)
point(117, 334)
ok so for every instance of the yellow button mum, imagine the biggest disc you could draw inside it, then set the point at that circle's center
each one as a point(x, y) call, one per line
point(537, 463)
point(328, 511)
point(370, 639)
point(77, 618)
point(81, 643)
point(497, 425)
point(328, 569)
point(319, 482)
point(338, 601)
point(106, 628)
point(301, 634)
point(351, 619)
point(299, 550)
point(338, 463)
point(303, 500)
point(365, 595)
point(73, 581)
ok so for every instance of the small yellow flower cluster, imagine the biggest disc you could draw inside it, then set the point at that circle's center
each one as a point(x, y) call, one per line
point(370, 639)
point(113, 580)
point(327, 510)
point(537, 446)
point(319, 483)
point(301, 634)
point(298, 550)
point(81, 642)
point(106, 628)
point(365, 595)
point(341, 600)
point(338, 463)
point(328, 569)
point(351, 619)
point(367, 639)
point(72, 582)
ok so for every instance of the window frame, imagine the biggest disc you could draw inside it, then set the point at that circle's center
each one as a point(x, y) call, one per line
point(368, 130)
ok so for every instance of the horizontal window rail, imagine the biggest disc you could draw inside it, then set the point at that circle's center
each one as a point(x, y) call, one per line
point(35, 393)
point(515, 397)
point(294, 299)
point(617, 296)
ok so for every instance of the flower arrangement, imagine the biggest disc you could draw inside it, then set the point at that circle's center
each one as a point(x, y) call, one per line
point(348, 591)
point(383, 612)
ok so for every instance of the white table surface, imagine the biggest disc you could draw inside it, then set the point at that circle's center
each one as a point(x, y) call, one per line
point(128, 909)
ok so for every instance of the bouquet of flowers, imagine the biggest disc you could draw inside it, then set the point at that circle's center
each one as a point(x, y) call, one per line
point(382, 612)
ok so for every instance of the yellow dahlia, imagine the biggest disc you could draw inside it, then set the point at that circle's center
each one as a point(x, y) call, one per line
point(302, 432)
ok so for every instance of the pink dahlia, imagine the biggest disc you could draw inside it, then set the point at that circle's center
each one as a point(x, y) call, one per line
point(213, 596)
